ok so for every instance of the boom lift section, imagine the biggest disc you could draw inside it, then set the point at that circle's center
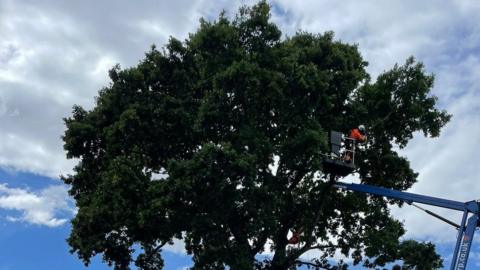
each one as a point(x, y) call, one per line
point(465, 231)
point(337, 165)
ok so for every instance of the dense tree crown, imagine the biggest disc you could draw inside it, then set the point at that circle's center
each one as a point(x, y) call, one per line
point(219, 139)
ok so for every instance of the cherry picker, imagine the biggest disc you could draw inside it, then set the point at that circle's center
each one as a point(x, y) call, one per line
point(336, 165)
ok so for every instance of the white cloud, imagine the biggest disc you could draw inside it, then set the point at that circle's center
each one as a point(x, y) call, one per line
point(55, 54)
point(41, 208)
point(177, 247)
point(388, 31)
point(31, 154)
point(448, 164)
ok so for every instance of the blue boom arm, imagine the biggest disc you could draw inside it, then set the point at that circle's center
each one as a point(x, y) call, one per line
point(471, 207)
point(465, 231)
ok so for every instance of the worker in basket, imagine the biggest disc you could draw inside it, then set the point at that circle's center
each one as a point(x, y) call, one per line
point(356, 135)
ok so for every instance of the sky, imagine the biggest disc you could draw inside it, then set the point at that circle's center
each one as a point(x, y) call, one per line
point(54, 54)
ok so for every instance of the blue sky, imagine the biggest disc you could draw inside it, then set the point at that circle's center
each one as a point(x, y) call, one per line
point(54, 54)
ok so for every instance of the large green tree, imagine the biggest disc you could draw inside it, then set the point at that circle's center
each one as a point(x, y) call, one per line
point(219, 140)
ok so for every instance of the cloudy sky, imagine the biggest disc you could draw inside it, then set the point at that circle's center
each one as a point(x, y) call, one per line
point(54, 54)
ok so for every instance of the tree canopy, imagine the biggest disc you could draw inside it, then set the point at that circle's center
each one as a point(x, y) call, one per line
point(219, 140)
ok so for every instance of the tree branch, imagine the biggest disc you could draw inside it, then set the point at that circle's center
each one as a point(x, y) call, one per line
point(306, 248)
point(308, 244)
point(314, 265)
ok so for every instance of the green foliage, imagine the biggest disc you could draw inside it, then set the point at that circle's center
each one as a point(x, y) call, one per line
point(420, 256)
point(183, 145)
